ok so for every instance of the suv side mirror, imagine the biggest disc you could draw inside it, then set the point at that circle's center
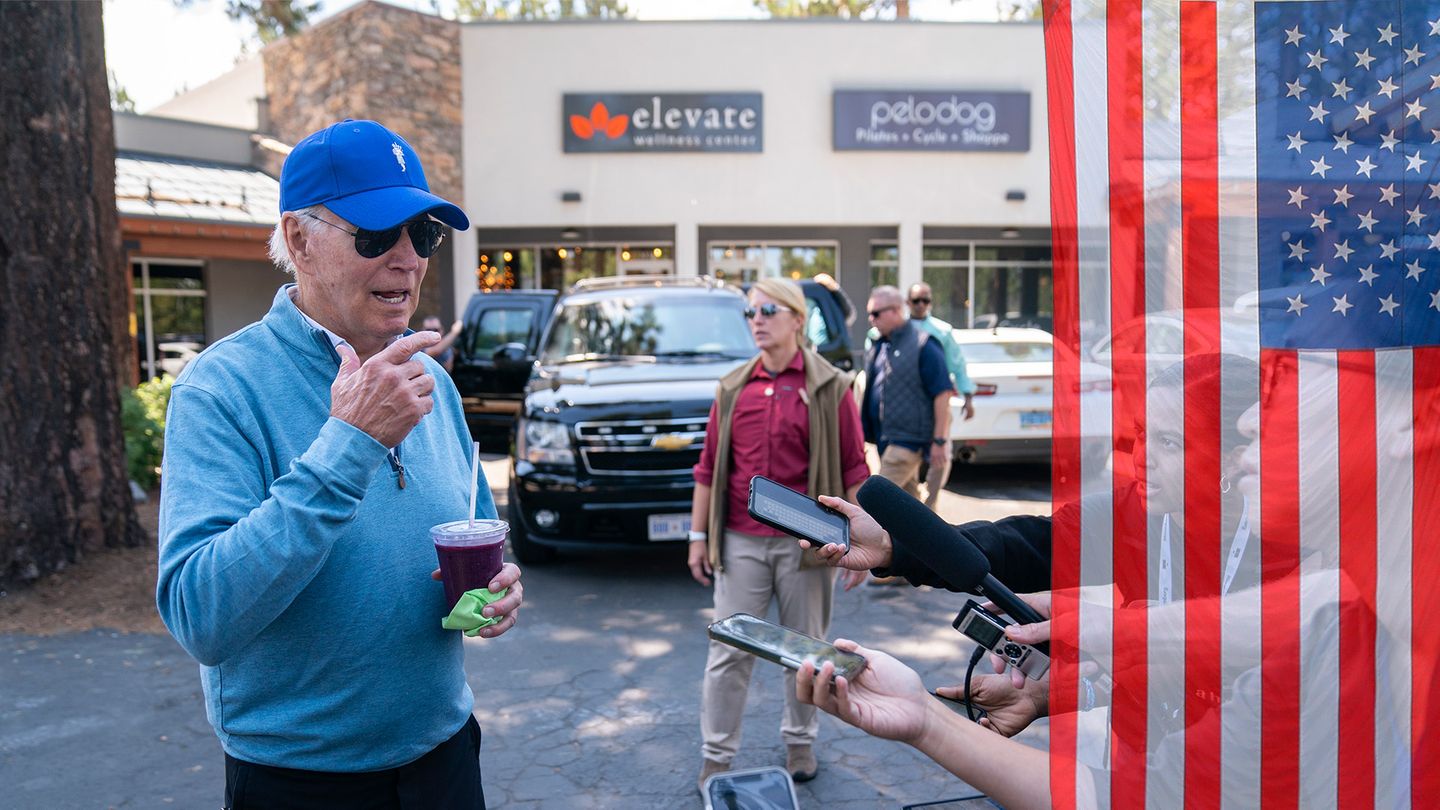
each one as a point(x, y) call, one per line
point(510, 353)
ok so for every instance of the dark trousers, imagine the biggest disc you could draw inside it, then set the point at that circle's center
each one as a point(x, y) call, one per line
point(447, 778)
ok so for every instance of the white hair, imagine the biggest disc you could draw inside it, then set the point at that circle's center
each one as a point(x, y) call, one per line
point(279, 250)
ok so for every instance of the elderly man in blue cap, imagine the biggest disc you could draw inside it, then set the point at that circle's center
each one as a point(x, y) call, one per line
point(306, 457)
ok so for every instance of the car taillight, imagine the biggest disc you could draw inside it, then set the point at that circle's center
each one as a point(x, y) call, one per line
point(985, 389)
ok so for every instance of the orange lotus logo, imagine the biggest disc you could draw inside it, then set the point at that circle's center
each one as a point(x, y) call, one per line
point(599, 121)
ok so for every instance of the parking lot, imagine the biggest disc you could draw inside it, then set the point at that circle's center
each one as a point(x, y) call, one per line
point(591, 702)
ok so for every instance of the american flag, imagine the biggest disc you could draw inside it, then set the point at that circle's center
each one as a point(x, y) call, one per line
point(1251, 189)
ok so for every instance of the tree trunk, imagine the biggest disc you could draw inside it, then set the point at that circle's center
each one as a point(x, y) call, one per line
point(63, 326)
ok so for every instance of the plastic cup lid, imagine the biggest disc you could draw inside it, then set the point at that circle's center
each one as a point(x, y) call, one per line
point(463, 530)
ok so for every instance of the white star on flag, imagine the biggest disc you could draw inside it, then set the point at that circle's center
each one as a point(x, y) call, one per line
point(1342, 90)
point(1319, 221)
point(1320, 167)
point(1296, 141)
point(1363, 112)
point(1339, 35)
point(1388, 305)
point(1296, 88)
point(1362, 166)
point(1342, 304)
point(1434, 26)
point(1388, 194)
point(1368, 275)
point(1412, 109)
point(1316, 60)
point(1414, 270)
point(1414, 215)
point(1435, 81)
point(1414, 162)
point(1295, 304)
point(1413, 55)
point(1319, 275)
point(1386, 34)
point(1343, 251)
point(1363, 59)
point(1435, 241)
point(1318, 112)
point(1297, 250)
point(1367, 222)
point(1387, 87)
point(1389, 141)
point(1388, 249)
point(1293, 36)
point(1435, 300)
point(1434, 190)
point(1298, 196)
point(1343, 195)
point(1343, 142)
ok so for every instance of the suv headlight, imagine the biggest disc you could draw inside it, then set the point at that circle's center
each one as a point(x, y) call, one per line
point(544, 442)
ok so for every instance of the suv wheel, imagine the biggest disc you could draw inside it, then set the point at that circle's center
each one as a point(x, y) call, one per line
point(526, 551)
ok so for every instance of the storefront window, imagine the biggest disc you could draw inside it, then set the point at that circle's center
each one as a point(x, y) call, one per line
point(169, 315)
point(740, 264)
point(505, 269)
point(1013, 296)
point(561, 267)
point(884, 265)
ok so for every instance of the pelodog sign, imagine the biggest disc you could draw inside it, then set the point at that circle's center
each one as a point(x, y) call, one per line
point(931, 121)
point(663, 122)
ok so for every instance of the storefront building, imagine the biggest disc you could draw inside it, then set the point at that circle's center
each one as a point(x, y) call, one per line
point(874, 152)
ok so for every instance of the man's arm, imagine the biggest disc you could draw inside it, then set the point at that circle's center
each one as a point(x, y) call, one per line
point(935, 378)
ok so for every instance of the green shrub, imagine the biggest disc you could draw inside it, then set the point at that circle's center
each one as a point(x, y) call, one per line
point(142, 416)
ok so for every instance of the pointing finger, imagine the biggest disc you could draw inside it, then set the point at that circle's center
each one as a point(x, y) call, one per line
point(406, 347)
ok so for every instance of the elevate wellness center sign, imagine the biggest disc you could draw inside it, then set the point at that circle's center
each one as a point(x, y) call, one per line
point(663, 122)
point(931, 121)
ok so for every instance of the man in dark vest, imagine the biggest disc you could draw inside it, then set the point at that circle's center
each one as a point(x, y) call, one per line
point(906, 411)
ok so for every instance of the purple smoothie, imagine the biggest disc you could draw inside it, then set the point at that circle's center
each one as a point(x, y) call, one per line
point(470, 556)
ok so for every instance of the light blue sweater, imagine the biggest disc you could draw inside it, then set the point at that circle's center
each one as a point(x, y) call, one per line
point(294, 568)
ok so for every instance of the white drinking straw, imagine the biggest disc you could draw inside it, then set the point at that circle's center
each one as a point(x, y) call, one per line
point(474, 479)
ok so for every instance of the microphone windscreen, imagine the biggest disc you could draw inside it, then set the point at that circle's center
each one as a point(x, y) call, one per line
point(924, 534)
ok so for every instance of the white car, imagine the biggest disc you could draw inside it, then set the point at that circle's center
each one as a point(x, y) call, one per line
point(1012, 371)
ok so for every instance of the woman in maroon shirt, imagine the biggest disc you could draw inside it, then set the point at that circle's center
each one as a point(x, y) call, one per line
point(790, 416)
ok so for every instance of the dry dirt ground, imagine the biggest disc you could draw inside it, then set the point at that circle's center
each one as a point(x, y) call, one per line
point(110, 588)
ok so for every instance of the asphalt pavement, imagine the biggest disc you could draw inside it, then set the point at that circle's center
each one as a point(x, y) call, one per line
point(591, 702)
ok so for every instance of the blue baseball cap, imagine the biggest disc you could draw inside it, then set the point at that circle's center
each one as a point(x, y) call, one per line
point(364, 173)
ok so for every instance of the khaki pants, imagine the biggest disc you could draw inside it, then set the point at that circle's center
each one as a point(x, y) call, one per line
point(758, 569)
point(901, 467)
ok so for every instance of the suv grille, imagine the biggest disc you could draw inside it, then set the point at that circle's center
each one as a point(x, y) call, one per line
point(641, 447)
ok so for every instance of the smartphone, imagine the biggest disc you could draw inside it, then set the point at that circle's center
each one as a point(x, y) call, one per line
point(786, 647)
point(796, 513)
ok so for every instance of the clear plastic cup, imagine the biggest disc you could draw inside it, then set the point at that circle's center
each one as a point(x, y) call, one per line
point(470, 555)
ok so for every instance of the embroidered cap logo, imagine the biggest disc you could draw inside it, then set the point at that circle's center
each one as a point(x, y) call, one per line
point(399, 155)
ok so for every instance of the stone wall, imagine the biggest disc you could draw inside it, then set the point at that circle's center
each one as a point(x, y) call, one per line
point(387, 64)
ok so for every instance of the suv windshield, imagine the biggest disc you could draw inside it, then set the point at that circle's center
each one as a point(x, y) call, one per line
point(649, 327)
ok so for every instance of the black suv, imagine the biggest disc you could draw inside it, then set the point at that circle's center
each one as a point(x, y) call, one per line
point(614, 415)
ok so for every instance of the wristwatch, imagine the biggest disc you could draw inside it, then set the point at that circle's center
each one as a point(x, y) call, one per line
point(939, 441)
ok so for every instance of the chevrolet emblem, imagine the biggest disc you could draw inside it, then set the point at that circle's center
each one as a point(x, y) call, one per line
point(670, 441)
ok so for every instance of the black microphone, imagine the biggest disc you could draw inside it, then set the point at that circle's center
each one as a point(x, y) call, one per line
point(945, 551)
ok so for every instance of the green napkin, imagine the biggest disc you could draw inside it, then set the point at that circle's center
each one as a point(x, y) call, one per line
point(466, 614)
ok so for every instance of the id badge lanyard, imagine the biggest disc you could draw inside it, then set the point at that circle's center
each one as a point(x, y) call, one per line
point(1232, 561)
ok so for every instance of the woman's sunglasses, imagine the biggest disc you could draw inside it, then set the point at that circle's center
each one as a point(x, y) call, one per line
point(425, 234)
point(768, 310)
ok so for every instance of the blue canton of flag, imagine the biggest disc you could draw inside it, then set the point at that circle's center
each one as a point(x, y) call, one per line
point(1348, 153)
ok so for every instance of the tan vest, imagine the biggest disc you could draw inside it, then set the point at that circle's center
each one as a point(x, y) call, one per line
point(824, 385)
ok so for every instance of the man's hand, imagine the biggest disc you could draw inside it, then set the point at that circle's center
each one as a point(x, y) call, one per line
point(388, 394)
point(869, 544)
point(938, 453)
point(699, 561)
point(969, 407)
point(886, 699)
point(507, 608)
point(1009, 710)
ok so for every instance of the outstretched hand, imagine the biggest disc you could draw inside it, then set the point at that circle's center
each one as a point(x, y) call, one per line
point(869, 544)
point(885, 699)
point(1008, 710)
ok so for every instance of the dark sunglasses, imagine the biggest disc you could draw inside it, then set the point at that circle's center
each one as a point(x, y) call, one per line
point(875, 313)
point(425, 234)
point(919, 300)
point(768, 310)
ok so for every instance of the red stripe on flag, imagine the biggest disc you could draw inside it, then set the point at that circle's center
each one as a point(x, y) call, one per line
point(1280, 589)
point(1425, 573)
point(1065, 469)
point(1199, 204)
point(1356, 404)
point(1125, 124)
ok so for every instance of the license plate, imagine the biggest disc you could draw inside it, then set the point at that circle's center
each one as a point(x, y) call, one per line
point(669, 527)
point(1029, 419)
